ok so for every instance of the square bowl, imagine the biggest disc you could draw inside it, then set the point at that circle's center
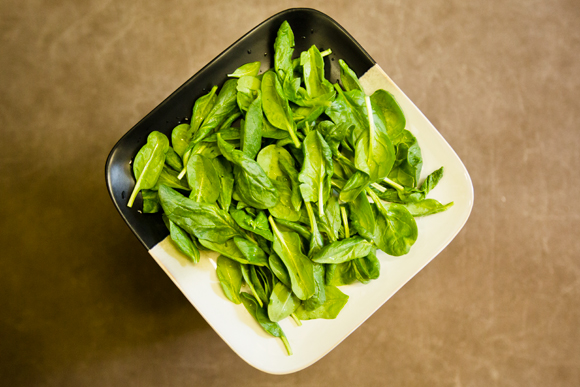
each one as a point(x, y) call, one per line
point(199, 283)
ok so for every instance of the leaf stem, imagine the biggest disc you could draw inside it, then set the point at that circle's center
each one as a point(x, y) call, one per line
point(378, 187)
point(393, 184)
point(313, 225)
point(296, 319)
point(287, 345)
point(326, 52)
point(295, 139)
point(345, 222)
point(377, 200)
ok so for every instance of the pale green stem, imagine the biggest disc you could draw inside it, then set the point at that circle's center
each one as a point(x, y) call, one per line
point(393, 184)
point(326, 52)
point(345, 222)
point(296, 319)
point(287, 345)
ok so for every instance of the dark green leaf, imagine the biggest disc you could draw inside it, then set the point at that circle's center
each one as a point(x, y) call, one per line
point(288, 247)
point(282, 303)
point(229, 274)
point(149, 163)
point(183, 242)
point(205, 221)
point(343, 250)
point(335, 301)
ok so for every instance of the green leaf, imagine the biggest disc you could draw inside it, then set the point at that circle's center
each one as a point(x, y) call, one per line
point(225, 105)
point(227, 249)
point(277, 267)
point(201, 109)
point(173, 160)
point(319, 296)
point(203, 180)
point(335, 301)
point(252, 184)
point(283, 50)
point(343, 250)
point(205, 221)
point(224, 171)
point(258, 225)
point(251, 251)
point(183, 242)
point(180, 138)
point(229, 274)
point(362, 217)
point(426, 207)
point(261, 315)
point(149, 163)
point(282, 303)
point(275, 105)
point(395, 228)
point(252, 69)
point(313, 70)
point(316, 174)
point(288, 247)
point(150, 201)
point(341, 274)
point(169, 178)
point(252, 134)
point(348, 77)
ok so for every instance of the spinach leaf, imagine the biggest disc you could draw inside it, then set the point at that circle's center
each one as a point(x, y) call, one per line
point(316, 174)
point(335, 301)
point(253, 186)
point(225, 105)
point(313, 72)
point(201, 109)
point(183, 242)
point(426, 207)
point(343, 250)
point(395, 228)
point(374, 152)
point(348, 77)
point(227, 249)
point(283, 50)
point(296, 227)
point(340, 274)
point(319, 296)
point(333, 134)
point(247, 274)
point(251, 141)
point(150, 201)
point(258, 225)
point(252, 69)
point(288, 247)
point(180, 138)
point(292, 174)
point(205, 221)
point(362, 217)
point(169, 178)
point(282, 303)
point(224, 171)
point(248, 88)
point(173, 160)
point(251, 251)
point(149, 163)
point(203, 180)
point(229, 274)
point(367, 268)
point(277, 267)
point(228, 134)
point(275, 106)
point(261, 315)
point(262, 282)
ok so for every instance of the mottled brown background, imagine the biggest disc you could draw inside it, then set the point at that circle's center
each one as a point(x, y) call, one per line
point(83, 304)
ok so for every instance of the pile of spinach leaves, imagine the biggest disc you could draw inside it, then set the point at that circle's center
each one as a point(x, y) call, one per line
point(275, 171)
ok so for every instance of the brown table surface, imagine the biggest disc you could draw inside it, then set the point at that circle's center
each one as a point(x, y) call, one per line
point(82, 302)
